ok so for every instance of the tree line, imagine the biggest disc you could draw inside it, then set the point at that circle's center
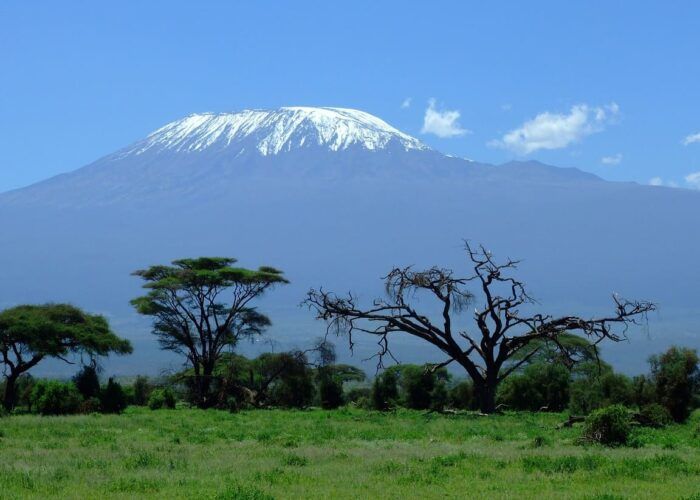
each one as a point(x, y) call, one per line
point(512, 356)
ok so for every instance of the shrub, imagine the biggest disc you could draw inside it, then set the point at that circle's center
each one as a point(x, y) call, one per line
point(161, 398)
point(358, 393)
point(91, 405)
point(654, 415)
point(598, 390)
point(461, 396)
point(385, 392)
point(417, 384)
point(87, 382)
point(675, 375)
point(112, 398)
point(330, 390)
point(643, 391)
point(141, 391)
point(51, 397)
point(540, 386)
point(609, 426)
point(439, 398)
point(294, 384)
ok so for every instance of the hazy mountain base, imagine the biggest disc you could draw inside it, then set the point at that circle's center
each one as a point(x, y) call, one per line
point(580, 239)
point(345, 453)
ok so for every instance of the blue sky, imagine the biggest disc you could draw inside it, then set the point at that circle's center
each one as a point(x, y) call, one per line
point(567, 83)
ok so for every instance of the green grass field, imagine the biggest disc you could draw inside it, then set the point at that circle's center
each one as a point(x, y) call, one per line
point(335, 454)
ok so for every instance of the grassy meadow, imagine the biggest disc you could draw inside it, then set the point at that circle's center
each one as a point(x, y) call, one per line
point(345, 453)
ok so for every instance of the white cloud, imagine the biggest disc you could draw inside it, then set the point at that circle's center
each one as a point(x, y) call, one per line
point(690, 139)
point(406, 103)
point(611, 160)
point(442, 123)
point(558, 130)
point(693, 180)
point(658, 181)
point(506, 107)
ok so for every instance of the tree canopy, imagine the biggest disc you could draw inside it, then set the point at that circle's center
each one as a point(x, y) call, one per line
point(201, 307)
point(30, 333)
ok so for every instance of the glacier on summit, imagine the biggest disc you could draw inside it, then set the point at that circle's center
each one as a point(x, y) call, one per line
point(274, 131)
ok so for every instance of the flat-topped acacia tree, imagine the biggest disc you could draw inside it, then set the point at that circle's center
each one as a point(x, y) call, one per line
point(202, 307)
point(31, 333)
point(503, 338)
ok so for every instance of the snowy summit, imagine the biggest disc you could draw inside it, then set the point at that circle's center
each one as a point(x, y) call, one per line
point(271, 132)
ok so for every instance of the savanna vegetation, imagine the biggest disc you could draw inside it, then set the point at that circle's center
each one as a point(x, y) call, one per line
point(523, 405)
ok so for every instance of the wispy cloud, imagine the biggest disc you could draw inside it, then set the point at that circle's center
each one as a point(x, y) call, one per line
point(658, 181)
point(443, 124)
point(406, 103)
point(506, 107)
point(690, 139)
point(615, 159)
point(693, 180)
point(557, 130)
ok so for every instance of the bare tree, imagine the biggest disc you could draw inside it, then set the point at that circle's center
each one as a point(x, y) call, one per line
point(488, 353)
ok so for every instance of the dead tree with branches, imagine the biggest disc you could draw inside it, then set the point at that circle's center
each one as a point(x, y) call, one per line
point(503, 338)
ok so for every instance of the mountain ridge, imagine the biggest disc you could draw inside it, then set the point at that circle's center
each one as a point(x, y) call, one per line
point(340, 219)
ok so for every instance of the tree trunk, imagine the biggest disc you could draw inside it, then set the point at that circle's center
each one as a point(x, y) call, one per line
point(10, 396)
point(203, 386)
point(486, 397)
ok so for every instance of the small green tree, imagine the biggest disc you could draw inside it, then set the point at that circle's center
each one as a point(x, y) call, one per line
point(598, 386)
point(421, 385)
point(644, 392)
point(675, 374)
point(51, 397)
point(609, 426)
point(31, 333)
point(292, 379)
point(192, 316)
point(330, 388)
point(461, 395)
point(142, 390)
point(543, 386)
point(87, 382)
point(161, 399)
point(112, 397)
point(385, 392)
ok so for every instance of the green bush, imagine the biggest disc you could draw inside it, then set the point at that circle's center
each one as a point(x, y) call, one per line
point(598, 390)
point(141, 390)
point(654, 415)
point(539, 386)
point(91, 405)
point(51, 397)
point(161, 398)
point(461, 396)
point(112, 398)
point(676, 377)
point(385, 392)
point(87, 382)
point(610, 426)
point(357, 394)
point(330, 391)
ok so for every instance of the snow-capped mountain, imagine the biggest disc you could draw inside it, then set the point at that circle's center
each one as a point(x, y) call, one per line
point(215, 151)
point(335, 198)
point(270, 132)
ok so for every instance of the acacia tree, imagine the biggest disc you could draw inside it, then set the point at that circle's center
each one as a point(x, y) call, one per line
point(31, 333)
point(489, 352)
point(201, 307)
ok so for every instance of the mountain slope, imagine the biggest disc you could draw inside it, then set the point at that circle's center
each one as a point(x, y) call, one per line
point(337, 203)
